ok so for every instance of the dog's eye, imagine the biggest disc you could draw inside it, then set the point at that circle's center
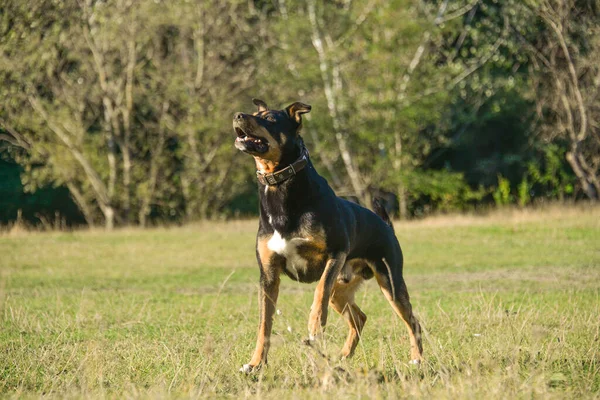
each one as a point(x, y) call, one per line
point(270, 118)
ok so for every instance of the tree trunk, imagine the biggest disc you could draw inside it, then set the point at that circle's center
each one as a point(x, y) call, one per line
point(589, 183)
point(187, 197)
point(338, 124)
point(402, 204)
point(112, 147)
point(82, 204)
point(109, 115)
point(126, 181)
point(155, 155)
point(397, 164)
point(100, 190)
point(109, 217)
point(577, 134)
point(127, 112)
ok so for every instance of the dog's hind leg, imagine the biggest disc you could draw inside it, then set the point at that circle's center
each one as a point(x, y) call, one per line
point(342, 301)
point(389, 278)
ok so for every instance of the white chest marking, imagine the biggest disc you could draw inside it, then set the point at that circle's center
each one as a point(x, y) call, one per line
point(288, 249)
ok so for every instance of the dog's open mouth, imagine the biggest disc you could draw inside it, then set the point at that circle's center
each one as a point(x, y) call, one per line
point(250, 143)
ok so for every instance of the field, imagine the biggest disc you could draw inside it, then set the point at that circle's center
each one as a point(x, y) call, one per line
point(510, 305)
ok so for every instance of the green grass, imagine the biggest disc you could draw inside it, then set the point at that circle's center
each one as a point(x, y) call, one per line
point(510, 304)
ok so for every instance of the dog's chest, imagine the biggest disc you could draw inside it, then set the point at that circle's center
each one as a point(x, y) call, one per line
point(290, 250)
point(304, 255)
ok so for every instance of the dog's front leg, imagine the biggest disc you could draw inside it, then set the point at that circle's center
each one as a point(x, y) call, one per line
point(269, 290)
point(318, 311)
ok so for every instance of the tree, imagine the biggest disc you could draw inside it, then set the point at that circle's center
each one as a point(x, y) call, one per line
point(564, 48)
point(123, 103)
point(385, 73)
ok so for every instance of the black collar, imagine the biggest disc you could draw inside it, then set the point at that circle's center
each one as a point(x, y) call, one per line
point(276, 178)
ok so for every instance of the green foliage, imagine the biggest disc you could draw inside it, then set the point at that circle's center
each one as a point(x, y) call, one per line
point(550, 176)
point(502, 195)
point(48, 205)
point(126, 111)
point(435, 191)
point(523, 190)
point(128, 105)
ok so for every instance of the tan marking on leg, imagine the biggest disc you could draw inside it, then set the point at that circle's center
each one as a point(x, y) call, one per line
point(315, 319)
point(264, 253)
point(342, 301)
point(267, 300)
point(318, 313)
point(271, 265)
point(399, 300)
point(390, 279)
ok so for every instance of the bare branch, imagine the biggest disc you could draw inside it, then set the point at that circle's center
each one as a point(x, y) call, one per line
point(464, 33)
point(15, 138)
point(199, 33)
point(574, 79)
point(332, 101)
point(416, 59)
point(482, 61)
point(91, 173)
point(458, 13)
point(357, 23)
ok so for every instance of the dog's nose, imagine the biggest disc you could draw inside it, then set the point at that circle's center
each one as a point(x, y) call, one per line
point(238, 116)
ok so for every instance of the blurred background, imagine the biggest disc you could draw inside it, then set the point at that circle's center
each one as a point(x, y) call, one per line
point(116, 113)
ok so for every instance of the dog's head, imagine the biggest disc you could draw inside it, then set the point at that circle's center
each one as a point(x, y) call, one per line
point(271, 136)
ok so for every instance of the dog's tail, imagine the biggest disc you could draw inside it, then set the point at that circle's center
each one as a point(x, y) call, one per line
point(380, 210)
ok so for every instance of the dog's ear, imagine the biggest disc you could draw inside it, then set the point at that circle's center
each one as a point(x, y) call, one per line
point(262, 106)
point(296, 110)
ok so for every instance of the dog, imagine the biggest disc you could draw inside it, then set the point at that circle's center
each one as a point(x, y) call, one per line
point(309, 234)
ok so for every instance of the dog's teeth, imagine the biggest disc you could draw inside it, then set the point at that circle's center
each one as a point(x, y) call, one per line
point(253, 140)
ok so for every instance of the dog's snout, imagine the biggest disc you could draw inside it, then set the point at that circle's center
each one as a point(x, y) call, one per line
point(238, 116)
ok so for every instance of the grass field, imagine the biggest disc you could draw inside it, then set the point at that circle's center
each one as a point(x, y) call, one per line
point(510, 305)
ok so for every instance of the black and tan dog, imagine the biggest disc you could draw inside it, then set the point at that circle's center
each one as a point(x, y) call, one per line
point(311, 235)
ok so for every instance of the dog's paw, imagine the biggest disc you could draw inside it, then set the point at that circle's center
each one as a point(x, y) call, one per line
point(415, 362)
point(312, 339)
point(248, 369)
